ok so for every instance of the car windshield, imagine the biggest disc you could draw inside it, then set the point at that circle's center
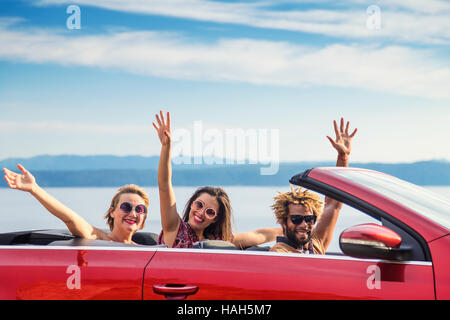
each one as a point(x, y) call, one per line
point(427, 203)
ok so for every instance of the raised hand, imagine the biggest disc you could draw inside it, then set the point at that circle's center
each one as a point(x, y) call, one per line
point(24, 181)
point(163, 128)
point(343, 142)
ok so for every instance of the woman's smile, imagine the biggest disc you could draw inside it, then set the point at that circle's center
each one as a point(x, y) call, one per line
point(130, 220)
point(198, 218)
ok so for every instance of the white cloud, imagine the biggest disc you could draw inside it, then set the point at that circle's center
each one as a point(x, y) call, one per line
point(418, 6)
point(417, 21)
point(392, 69)
point(70, 128)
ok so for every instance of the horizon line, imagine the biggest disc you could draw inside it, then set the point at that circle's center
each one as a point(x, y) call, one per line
point(215, 157)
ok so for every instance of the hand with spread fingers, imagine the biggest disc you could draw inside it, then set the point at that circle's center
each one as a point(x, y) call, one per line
point(24, 181)
point(163, 128)
point(343, 142)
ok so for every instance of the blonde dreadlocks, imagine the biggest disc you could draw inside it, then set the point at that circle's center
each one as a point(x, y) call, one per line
point(296, 196)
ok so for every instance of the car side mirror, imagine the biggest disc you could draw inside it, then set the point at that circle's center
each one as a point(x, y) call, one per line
point(373, 241)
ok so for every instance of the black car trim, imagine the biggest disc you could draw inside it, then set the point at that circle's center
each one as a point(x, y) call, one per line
point(55, 236)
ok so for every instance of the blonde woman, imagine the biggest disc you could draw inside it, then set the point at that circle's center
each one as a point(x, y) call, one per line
point(126, 215)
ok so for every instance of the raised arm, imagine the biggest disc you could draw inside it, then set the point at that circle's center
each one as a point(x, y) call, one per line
point(343, 144)
point(256, 237)
point(75, 223)
point(170, 218)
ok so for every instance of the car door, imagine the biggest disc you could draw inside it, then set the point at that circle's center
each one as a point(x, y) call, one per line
point(228, 274)
point(66, 272)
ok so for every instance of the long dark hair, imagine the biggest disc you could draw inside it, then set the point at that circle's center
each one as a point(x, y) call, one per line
point(221, 229)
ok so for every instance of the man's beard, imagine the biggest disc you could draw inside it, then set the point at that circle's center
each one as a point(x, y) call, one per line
point(291, 235)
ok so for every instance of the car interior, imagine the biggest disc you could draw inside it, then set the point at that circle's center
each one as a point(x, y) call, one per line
point(61, 237)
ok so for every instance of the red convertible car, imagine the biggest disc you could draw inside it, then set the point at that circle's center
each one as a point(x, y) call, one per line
point(405, 256)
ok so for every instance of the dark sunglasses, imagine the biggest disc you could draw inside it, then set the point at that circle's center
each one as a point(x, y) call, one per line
point(298, 219)
point(126, 207)
point(199, 205)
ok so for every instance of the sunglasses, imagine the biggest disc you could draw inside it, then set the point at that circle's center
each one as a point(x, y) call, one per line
point(126, 208)
point(199, 205)
point(298, 219)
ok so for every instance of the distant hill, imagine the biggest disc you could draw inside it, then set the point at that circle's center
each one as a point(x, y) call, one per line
point(106, 171)
point(100, 162)
point(76, 163)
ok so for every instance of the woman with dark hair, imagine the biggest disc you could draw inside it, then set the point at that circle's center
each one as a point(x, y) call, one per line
point(207, 214)
point(126, 214)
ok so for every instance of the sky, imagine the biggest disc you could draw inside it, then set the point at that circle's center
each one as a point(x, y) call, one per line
point(282, 69)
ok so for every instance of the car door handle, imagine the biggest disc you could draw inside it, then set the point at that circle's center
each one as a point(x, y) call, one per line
point(175, 291)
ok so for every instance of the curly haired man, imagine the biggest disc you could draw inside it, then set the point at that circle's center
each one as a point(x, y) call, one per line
point(307, 228)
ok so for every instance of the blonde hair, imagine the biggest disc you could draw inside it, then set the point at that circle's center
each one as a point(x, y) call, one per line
point(130, 188)
point(296, 196)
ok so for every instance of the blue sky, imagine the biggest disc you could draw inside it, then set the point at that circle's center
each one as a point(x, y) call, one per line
point(293, 66)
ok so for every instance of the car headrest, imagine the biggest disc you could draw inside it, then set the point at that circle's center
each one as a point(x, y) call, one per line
point(145, 238)
point(258, 248)
point(214, 244)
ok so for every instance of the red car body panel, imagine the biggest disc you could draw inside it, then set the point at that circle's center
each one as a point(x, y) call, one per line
point(429, 230)
point(226, 275)
point(48, 273)
point(440, 249)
